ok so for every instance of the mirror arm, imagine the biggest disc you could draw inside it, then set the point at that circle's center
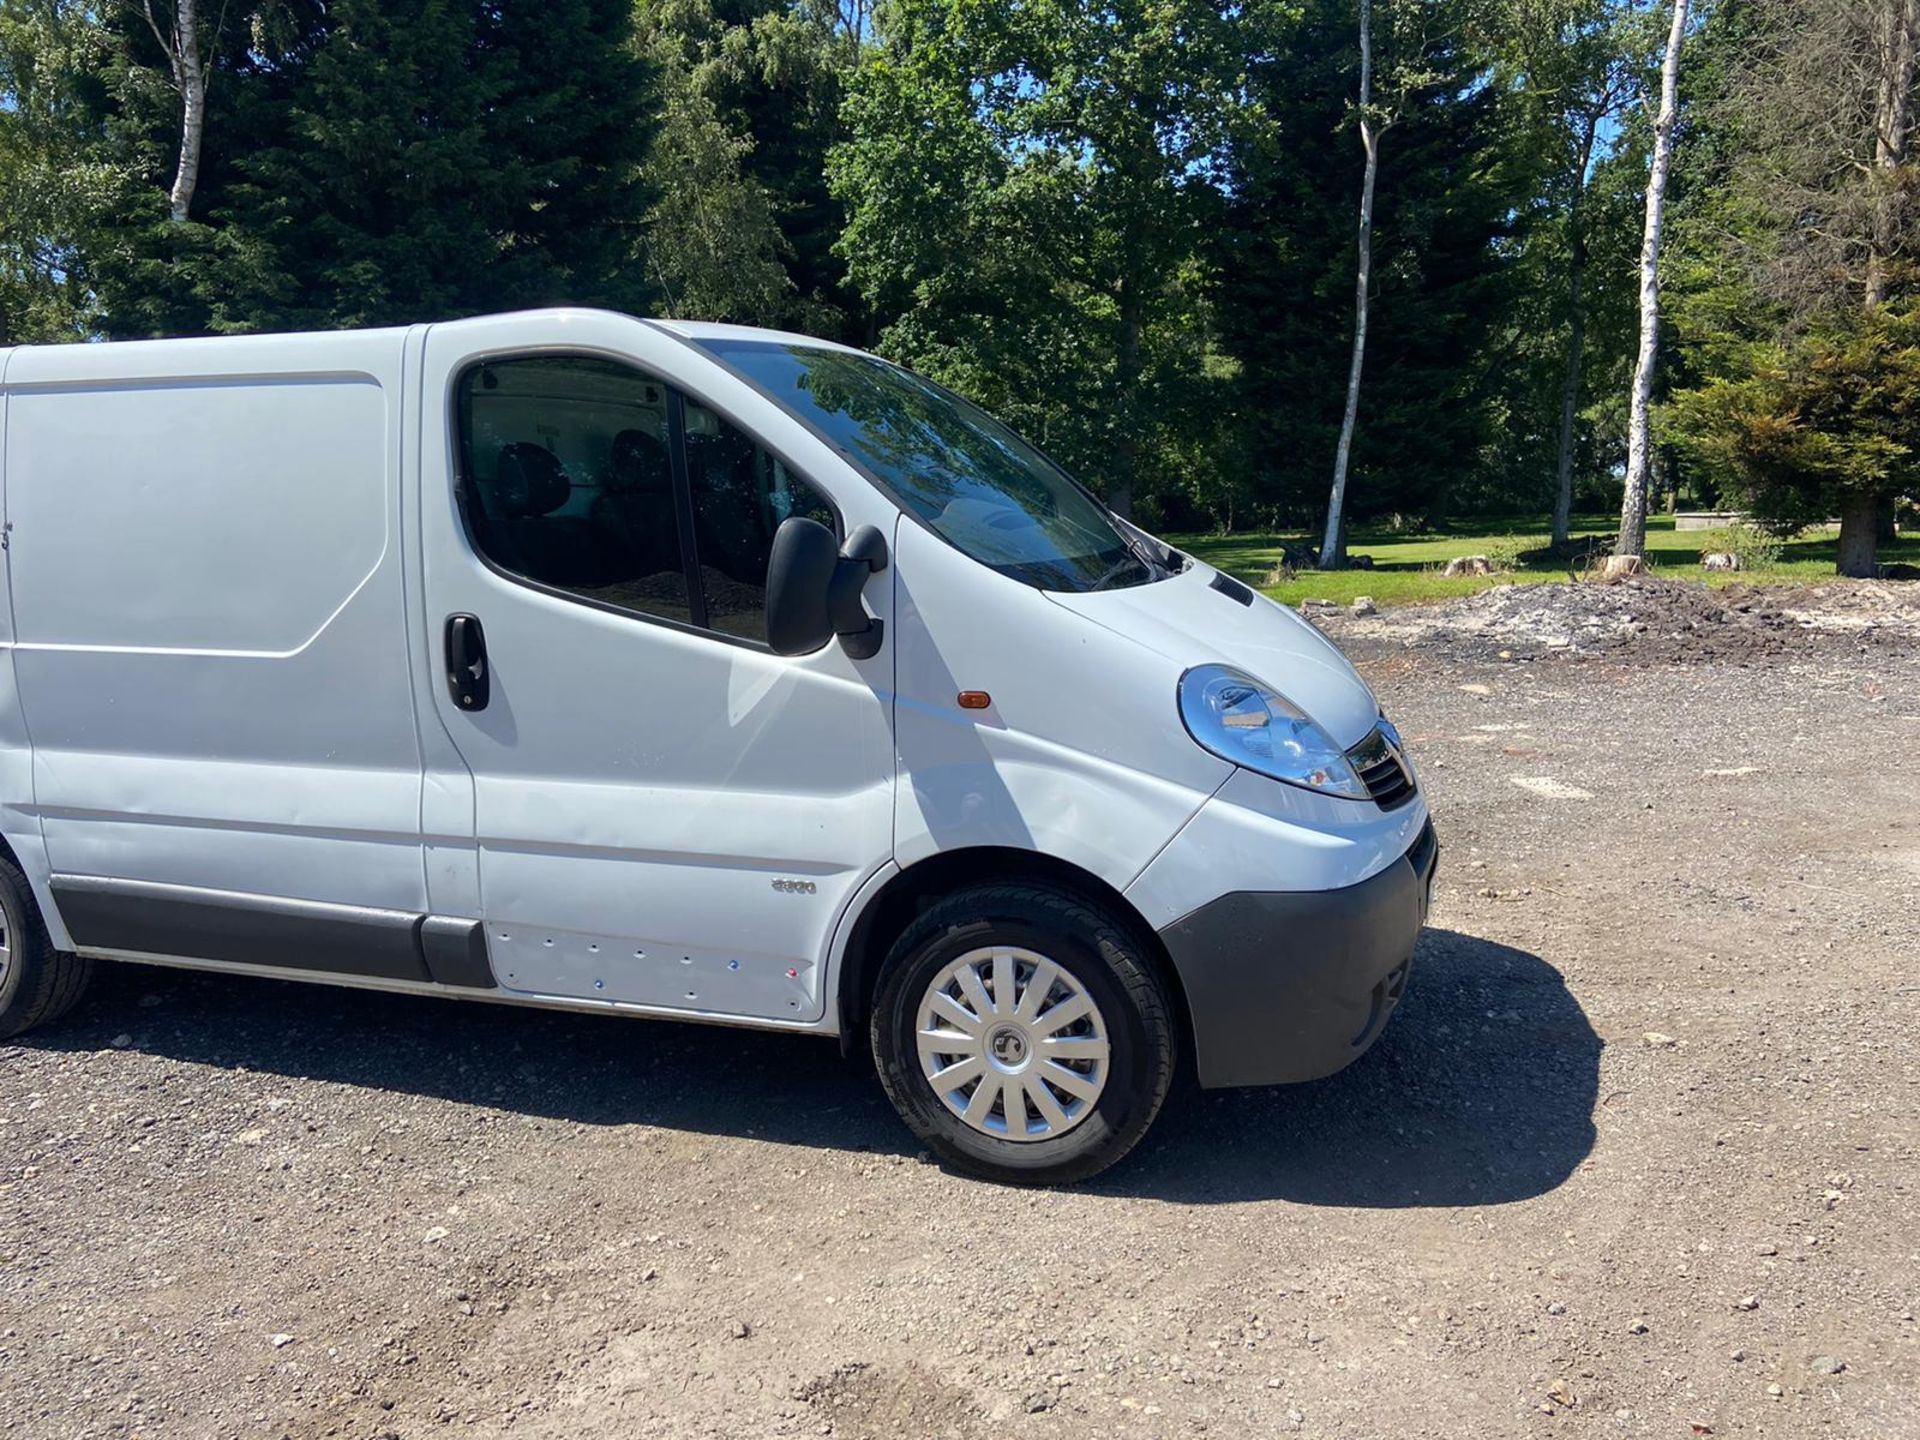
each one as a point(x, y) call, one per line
point(867, 546)
point(865, 555)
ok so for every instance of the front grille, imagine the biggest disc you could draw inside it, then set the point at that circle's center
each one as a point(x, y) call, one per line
point(1382, 771)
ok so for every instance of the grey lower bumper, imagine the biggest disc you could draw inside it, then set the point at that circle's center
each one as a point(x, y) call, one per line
point(1294, 985)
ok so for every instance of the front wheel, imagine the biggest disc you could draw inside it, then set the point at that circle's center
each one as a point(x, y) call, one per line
point(1023, 1034)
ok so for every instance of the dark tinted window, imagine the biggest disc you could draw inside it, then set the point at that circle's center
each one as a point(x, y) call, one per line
point(568, 480)
point(741, 493)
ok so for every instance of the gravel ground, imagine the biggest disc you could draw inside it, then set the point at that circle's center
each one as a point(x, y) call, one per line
point(1637, 1155)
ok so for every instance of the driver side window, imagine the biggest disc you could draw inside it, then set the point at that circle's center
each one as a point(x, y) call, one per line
point(588, 477)
point(741, 493)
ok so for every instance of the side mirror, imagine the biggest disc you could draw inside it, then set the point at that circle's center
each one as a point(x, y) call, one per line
point(813, 588)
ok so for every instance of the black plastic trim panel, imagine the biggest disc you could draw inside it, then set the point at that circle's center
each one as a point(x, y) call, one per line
point(189, 922)
point(455, 951)
point(1285, 986)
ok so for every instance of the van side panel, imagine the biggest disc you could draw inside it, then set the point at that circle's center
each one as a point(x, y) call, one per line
point(19, 822)
point(210, 638)
point(1091, 781)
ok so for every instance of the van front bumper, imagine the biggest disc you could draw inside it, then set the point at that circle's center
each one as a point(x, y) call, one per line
point(1285, 986)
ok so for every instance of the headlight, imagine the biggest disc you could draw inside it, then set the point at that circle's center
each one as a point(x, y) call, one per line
point(1250, 724)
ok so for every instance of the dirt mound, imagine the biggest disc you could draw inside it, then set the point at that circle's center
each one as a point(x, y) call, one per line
point(1649, 620)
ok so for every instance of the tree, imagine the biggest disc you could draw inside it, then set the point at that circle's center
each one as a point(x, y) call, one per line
point(1574, 71)
point(1331, 548)
point(764, 79)
point(1633, 504)
point(1827, 422)
point(1442, 301)
point(180, 37)
point(1824, 108)
point(1801, 286)
point(1027, 190)
point(54, 184)
point(386, 162)
point(1896, 38)
point(712, 242)
point(1412, 29)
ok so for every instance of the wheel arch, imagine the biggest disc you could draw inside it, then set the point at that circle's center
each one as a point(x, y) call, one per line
point(27, 853)
point(887, 913)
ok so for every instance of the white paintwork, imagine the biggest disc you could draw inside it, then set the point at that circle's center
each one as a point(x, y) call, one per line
point(1181, 619)
point(207, 632)
point(638, 789)
point(1081, 755)
point(229, 563)
point(1257, 834)
point(19, 822)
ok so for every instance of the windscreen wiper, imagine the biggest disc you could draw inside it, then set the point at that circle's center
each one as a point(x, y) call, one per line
point(1123, 564)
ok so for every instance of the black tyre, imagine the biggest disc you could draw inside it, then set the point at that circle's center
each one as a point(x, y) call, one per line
point(1023, 1034)
point(37, 982)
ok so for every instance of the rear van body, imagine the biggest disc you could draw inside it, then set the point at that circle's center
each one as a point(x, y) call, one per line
point(570, 659)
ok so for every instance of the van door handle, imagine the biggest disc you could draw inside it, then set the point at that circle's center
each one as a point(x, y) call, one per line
point(467, 662)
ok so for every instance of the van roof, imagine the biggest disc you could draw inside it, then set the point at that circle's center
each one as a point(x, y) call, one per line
point(697, 330)
point(94, 359)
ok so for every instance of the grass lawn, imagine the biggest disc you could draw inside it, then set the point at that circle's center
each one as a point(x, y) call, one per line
point(1407, 567)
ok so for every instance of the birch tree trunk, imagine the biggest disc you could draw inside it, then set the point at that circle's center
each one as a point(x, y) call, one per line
point(1332, 548)
point(1633, 504)
point(190, 80)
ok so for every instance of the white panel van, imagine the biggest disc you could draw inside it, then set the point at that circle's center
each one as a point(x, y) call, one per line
point(571, 659)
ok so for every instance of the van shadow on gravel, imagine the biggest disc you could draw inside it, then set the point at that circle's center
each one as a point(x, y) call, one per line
point(602, 1070)
point(1480, 1091)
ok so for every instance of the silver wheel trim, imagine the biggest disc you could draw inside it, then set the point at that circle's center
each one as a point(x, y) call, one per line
point(1012, 1043)
point(6, 947)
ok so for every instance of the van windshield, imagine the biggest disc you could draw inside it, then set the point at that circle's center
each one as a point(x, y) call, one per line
point(973, 481)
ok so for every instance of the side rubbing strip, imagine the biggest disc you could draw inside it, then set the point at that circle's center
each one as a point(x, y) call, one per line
point(140, 917)
point(456, 951)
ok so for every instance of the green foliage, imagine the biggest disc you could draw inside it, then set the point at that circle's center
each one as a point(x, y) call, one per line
point(1128, 229)
point(712, 241)
point(1830, 413)
point(388, 161)
point(1027, 190)
point(1441, 268)
point(1794, 294)
point(53, 186)
point(766, 78)
point(1503, 553)
point(1569, 72)
point(1756, 547)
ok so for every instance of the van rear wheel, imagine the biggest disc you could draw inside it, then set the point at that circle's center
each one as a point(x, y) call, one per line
point(37, 982)
point(1023, 1034)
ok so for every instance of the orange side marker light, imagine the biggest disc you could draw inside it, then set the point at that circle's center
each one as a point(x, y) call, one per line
point(975, 700)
